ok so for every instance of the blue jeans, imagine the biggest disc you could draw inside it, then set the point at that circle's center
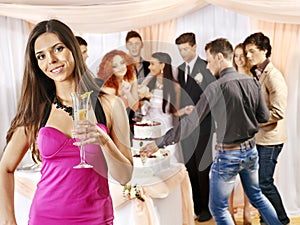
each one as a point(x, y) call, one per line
point(267, 161)
point(226, 166)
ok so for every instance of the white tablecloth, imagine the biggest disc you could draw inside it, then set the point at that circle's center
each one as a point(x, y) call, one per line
point(168, 199)
point(164, 209)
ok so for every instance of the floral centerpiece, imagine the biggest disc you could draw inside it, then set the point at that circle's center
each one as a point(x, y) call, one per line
point(132, 191)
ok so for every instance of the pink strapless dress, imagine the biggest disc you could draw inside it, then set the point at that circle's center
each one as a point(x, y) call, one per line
point(68, 196)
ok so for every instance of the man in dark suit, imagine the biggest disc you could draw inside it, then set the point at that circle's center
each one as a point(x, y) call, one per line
point(193, 78)
point(134, 45)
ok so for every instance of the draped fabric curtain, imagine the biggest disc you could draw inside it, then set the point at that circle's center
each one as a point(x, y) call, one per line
point(104, 26)
point(157, 37)
point(278, 11)
point(13, 37)
point(100, 16)
point(214, 22)
point(207, 23)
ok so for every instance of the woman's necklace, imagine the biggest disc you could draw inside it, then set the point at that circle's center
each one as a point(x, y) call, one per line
point(59, 105)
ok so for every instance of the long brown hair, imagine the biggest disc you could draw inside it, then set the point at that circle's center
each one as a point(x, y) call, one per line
point(38, 89)
point(169, 95)
point(106, 73)
point(247, 65)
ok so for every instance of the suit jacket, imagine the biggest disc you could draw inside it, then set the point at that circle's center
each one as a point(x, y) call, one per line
point(198, 80)
point(146, 67)
point(274, 89)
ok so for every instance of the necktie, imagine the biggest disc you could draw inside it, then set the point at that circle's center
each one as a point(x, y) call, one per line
point(188, 73)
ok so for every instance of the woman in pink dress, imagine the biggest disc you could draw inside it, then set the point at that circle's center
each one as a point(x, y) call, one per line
point(54, 68)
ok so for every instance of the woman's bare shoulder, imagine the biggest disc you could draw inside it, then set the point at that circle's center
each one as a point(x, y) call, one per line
point(110, 99)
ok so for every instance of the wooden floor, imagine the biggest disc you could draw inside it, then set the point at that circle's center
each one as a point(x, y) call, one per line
point(238, 215)
point(255, 221)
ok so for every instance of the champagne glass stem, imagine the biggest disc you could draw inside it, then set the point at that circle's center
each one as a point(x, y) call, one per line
point(82, 163)
point(82, 157)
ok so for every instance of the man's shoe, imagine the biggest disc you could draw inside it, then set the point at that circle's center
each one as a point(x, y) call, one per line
point(204, 216)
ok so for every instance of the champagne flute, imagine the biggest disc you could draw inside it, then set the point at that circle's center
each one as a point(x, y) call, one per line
point(80, 113)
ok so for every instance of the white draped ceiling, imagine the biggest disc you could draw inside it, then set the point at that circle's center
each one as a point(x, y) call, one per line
point(107, 16)
point(101, 16)
point(279, 11)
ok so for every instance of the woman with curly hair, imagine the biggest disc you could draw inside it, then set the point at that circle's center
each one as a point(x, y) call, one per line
point(116, 71)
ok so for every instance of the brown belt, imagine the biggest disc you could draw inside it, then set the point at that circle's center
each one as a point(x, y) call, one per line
point(250, 143)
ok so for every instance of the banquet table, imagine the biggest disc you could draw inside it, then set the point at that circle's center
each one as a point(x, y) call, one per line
point(167, 198)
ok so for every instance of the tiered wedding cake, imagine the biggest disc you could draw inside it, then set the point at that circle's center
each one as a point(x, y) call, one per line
point(144, 133)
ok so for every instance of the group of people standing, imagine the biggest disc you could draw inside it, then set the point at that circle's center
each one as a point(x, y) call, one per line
point(174, 99)
point(171, 100)
point(247, 102)
point(245, 109)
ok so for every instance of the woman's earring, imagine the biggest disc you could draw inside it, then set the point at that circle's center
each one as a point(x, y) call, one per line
point(161, 71)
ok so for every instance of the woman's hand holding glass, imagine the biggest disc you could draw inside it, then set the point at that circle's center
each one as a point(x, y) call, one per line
point(91, 132)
